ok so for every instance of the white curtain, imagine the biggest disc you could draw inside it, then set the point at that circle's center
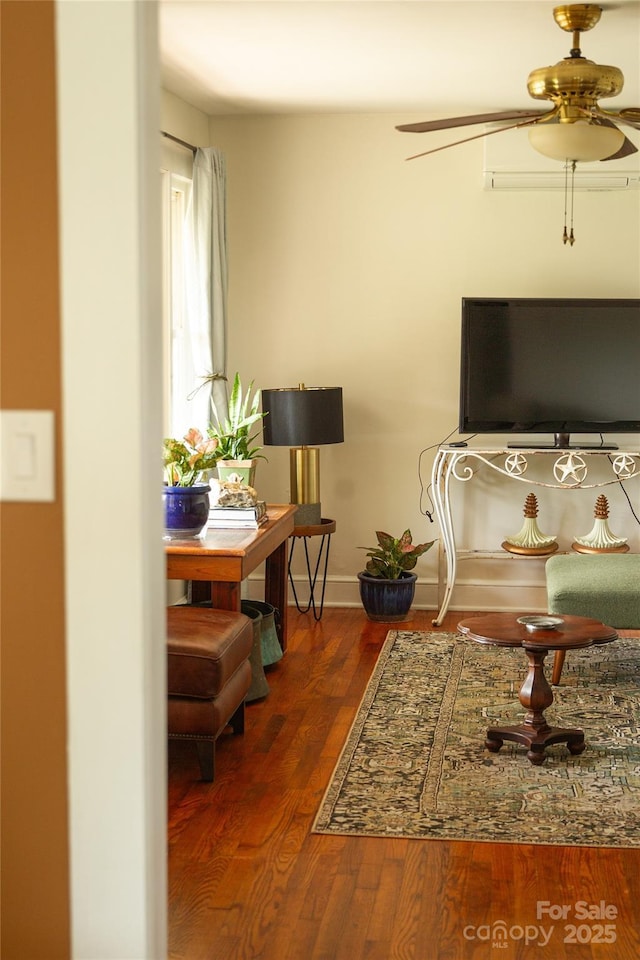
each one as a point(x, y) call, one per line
point(206, 285)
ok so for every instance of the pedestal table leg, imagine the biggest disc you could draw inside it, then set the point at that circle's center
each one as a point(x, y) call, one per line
point(534, 732)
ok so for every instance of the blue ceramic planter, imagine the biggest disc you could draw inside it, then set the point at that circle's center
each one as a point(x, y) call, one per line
point(186, 511)
point(387, 601)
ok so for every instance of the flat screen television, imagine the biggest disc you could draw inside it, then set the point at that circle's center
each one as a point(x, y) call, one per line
point(550, 366)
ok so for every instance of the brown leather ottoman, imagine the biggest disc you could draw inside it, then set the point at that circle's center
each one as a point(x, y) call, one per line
point(208, 676)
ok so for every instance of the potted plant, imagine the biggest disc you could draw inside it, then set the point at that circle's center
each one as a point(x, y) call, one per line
point(236, 451)
point(186, 499)
point(387, 586)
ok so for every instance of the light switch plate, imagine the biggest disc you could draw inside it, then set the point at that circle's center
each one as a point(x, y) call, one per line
point(27, 455)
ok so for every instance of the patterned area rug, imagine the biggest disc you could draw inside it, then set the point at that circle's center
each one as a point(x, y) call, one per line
point(414, 764)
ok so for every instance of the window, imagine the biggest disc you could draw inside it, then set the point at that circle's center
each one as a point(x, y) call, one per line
point(195, 290)
point(178, 370)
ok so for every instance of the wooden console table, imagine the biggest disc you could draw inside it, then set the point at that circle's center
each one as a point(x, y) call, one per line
point(569, 469)
point(222, 558)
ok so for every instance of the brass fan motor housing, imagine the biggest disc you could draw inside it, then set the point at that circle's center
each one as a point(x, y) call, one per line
point(575, 78)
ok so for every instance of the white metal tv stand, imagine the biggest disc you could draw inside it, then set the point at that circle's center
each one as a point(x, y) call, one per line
point(568, 468)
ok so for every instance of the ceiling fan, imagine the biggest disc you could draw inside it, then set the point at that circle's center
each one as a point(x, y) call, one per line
point(576, 128)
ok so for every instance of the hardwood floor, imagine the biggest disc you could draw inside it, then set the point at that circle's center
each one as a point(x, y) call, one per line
point(248, 881)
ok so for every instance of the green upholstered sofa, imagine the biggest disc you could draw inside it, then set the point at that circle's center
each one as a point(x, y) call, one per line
point(604, 586)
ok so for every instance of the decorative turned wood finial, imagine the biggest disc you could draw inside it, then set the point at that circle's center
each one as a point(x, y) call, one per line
point(529, 540)
point(600, 539)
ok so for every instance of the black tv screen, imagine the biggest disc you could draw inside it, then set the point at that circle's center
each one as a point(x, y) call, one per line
point(550, 366)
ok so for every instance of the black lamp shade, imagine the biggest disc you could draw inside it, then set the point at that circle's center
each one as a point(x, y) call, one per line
point(307, 416)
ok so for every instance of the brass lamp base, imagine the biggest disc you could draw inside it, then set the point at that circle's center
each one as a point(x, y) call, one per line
point(304, 466)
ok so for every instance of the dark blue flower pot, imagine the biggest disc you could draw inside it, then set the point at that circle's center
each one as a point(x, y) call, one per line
point(186, 511)
point(387, 601)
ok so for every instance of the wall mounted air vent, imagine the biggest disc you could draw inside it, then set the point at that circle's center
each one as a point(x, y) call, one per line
point(532, 180)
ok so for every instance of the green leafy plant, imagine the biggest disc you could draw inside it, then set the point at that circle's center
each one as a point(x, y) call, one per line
point(184, 460)
point(235, 441)
point(393, 556)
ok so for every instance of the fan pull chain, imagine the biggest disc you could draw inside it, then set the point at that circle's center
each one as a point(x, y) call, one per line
point(569, 237)
point(573, 178)
point(565, 235)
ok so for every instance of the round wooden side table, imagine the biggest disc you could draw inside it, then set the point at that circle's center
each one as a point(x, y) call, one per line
point(503, 630)
point(324, 529)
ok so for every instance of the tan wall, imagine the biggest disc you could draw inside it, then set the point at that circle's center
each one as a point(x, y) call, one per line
point(347, 266)
point(35, 887)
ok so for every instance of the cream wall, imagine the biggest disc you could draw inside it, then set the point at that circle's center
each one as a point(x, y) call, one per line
point(347, 267)
point(185, 122)
point(110, 270)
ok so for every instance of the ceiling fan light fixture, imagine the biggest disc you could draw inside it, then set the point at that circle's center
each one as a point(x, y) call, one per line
point(580, 140)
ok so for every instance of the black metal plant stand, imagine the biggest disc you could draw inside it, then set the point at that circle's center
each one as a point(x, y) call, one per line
point(324, 529)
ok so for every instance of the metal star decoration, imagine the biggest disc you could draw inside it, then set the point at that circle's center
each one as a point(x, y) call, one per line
point(570, 469)
point(515, 464)
point(624, 466)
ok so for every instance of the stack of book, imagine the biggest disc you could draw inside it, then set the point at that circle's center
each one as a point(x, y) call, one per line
point(232, 517)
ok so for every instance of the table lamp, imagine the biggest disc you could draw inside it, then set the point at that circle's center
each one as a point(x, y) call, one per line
point(303, 418)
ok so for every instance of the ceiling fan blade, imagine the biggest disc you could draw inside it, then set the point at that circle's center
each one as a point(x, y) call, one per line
point(627, 147)
point(629, 117)
point(450, 122)
point(625, 150)
point(630, 114)
point(487, 133)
